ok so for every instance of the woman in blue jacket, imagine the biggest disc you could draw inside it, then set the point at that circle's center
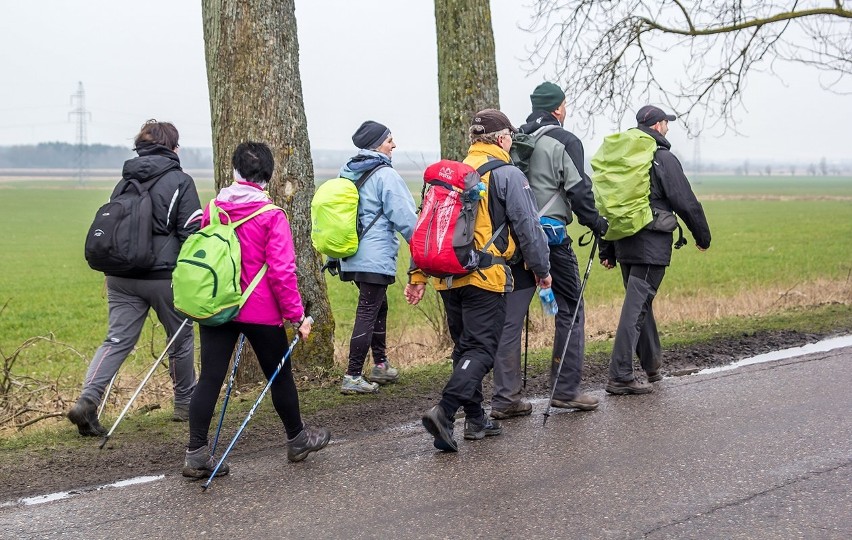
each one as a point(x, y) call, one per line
point(373, 267)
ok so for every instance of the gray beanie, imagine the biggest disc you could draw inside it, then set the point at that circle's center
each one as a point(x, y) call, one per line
point(370, 135)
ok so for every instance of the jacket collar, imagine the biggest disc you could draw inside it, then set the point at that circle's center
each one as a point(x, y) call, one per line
point(661, 141)
point(488, 150)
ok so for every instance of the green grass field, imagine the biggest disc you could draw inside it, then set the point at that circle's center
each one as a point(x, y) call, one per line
point(47, 287)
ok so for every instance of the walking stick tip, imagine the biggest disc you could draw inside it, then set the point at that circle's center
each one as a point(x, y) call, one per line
point(103, 442)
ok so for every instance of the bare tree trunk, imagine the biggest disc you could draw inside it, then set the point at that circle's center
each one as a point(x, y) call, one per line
point(467, 69)
point(252, 55)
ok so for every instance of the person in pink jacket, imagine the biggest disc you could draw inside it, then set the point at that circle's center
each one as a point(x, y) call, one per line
point(266, 238)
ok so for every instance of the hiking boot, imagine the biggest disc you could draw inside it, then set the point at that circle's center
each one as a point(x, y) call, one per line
point(634, 386)
point(181, 413)
point(310, 439)
point(84, 414)
point(440, 427)
point(654, 376)
point(357, 385)
point(383, 373)
point(199, 463)
point(584, 402)
point(521, 408)
point(475, 430)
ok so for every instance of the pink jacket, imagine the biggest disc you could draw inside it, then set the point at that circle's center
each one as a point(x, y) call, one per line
point(264, 238)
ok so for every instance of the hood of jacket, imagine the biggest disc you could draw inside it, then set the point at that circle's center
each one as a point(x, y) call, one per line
point(538, 119)
point(364, 161)
point(661, 141)
point(241, 199)
point(153, 161)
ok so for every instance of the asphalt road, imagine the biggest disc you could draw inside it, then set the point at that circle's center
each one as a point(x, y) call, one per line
point(761, 452)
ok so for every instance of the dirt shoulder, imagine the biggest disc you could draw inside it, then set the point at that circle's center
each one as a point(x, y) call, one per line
point(53, 467)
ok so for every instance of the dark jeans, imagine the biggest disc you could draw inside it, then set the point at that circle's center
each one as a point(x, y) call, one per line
point(370, 329)
point(637, 329)
point(475, 318)
point(217, 345)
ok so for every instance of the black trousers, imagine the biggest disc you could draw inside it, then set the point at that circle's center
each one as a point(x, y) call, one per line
point(566, 288)
point(217, 344)
point(370, 329)
point(475, 318)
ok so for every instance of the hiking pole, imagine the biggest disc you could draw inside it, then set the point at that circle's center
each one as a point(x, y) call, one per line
point(106, 395)
point(228, 391)
point(139, 388)
point(526, 346)
point(571, 328)
point(254, 407)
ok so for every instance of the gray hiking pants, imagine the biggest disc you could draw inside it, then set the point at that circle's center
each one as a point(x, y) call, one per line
point(637, 329)
point(507, 361)
point(129, 301)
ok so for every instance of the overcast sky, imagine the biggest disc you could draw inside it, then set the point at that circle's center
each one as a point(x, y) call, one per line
point(365, 59)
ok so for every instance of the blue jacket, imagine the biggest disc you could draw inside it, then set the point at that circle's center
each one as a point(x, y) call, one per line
point(384, 190)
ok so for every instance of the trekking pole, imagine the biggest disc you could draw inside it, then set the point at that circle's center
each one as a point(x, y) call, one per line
point(106, 396)
point(254, 407)
point(526, 346)
point(228, 391)
point(145, 380)
point(571, 328)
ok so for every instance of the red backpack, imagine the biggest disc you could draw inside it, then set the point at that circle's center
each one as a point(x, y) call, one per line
point(443, 241)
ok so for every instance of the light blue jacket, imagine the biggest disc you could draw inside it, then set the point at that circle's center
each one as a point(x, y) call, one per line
point(384, 190)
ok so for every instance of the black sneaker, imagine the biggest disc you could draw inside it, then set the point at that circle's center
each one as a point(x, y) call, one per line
point(475, 430)
point(441, 428)
point(310, 439)
point(199, 463)
point(84, 414)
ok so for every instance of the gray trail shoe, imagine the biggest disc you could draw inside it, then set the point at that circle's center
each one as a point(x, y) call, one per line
point(181, 413)
point(84, 414)
point(441, 428)
point(521, 408)
point(634, 386)
point(654, 376)
point(310, 439)
point(476, 429)
point(583, 402)
point(383, 373)
point(199, 463)
point(357, 385)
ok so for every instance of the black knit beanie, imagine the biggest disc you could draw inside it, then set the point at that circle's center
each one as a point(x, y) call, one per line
point(370, 135)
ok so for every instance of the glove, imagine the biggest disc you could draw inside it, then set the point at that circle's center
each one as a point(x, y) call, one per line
point(602, 227)
point(332, 265)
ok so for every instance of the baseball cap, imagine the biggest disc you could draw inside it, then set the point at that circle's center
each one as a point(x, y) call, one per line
point(491, 121)
point(650, 115)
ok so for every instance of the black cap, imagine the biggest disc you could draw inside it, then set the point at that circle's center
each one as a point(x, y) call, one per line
point(370, 135)
point(650, 115)
point(491, 121)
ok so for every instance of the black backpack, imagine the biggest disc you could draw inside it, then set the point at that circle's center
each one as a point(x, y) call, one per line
point(120, 239)
point(523, 145)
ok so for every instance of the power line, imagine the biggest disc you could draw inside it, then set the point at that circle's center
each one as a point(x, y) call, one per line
point(79, 99)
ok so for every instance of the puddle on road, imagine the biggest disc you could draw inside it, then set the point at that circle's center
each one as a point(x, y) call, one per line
point(819, 346)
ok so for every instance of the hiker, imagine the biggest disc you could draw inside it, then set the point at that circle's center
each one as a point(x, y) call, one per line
point(561, 186)
point(475, 303)
point(386, 202)
point(644, 257)
point(176, 213)
point(275, 301)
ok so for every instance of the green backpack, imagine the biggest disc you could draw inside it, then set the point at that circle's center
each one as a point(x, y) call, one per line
point(206, 280)
point(334, 216)
point(621, 182)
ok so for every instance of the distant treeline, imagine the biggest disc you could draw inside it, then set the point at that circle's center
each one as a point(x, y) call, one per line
point(59, 155)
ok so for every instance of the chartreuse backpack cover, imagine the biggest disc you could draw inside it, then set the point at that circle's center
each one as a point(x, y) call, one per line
point(206, 279)
point(334, 218)
point(621, 181)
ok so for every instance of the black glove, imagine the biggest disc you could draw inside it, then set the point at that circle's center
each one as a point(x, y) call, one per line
point(332, 265)
point(601, 228)
point(606, 251)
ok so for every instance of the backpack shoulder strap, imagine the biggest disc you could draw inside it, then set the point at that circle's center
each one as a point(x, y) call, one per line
point(256, 213)
point(366, 176)
point(490, 165)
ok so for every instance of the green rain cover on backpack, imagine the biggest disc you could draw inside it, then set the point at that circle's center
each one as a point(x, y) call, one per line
point(334, 218)
point(206, 279)
point(621, 181)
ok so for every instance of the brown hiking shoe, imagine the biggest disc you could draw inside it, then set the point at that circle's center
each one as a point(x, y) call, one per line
point(584, 402)
point(521, 408)
point(654, 376)
point(634, 386)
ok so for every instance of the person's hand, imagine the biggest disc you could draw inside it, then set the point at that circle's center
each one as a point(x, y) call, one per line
point(544, 282)
point(606, 263)
point(304, 328)
point(414, 293)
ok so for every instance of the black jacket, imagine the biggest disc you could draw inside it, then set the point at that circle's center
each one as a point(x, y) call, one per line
point(177, 208)
point(670, 190)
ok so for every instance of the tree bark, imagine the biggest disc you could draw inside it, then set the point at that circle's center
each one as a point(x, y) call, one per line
point(252, 54)
point(467, 69)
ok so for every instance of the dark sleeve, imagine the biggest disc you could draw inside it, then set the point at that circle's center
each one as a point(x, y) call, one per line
point(522, 214)
point(188, 218)
point(680, 196)
point(580, 194)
